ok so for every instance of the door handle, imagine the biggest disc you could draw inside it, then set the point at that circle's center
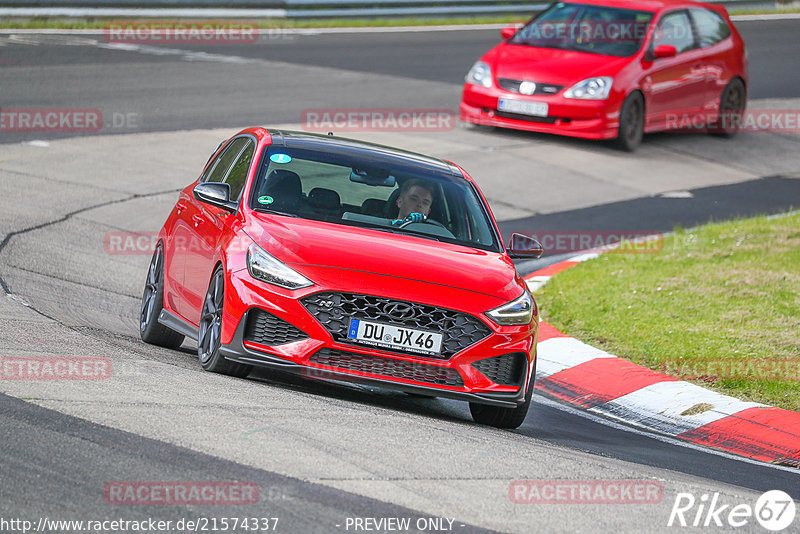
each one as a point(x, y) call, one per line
point(180, 206)
point(197, 219)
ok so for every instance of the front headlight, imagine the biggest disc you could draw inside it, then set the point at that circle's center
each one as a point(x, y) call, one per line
point(479, 74)
point(591, 89)
point(518, 311)
point(264, 267)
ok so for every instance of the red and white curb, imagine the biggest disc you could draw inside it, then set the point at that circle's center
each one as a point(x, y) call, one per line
point(604, 384)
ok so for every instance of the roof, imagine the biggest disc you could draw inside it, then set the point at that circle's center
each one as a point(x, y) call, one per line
point(364, 150)
point(643, 5)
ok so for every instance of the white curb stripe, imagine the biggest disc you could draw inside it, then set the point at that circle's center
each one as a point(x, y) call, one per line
point(659, 406)
point(559, 353)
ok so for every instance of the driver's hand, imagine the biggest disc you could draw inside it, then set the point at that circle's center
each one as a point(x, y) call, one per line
point(412, 217)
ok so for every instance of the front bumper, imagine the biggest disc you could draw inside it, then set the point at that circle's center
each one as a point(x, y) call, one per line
point(586, 119)
point(320, 357)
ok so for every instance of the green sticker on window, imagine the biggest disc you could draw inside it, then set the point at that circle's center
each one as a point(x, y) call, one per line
point(266, 199)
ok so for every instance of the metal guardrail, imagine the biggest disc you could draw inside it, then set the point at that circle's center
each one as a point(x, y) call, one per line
point(293, 8)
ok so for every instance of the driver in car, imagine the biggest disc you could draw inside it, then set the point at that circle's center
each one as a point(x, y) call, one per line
point(414, 202)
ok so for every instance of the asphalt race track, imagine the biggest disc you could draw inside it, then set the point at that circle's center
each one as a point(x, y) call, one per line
point(322, 453)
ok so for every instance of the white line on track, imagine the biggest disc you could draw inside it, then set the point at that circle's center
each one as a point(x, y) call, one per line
point(659, 437)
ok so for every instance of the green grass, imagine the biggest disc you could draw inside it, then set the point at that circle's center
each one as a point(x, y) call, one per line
point(99, 23)
point(718, 305)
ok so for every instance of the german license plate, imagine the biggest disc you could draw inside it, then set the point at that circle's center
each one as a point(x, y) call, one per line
point(537, 109)
point(387, 336)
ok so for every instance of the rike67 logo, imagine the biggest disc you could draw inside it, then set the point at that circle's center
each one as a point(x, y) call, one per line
point(774, 510)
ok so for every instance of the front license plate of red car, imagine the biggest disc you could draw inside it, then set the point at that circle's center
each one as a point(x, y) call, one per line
point(537, 109)
point(387, 336)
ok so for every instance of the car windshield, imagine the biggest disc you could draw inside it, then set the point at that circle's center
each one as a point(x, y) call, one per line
point(586, 28)
point(339, 188)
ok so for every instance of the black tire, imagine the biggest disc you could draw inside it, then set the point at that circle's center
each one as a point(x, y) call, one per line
point(150, 329)
point(732, 104)
point(499, 417)
point(209, 338)
point(631, 122)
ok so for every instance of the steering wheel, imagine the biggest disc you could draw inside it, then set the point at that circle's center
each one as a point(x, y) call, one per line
point(426, 221)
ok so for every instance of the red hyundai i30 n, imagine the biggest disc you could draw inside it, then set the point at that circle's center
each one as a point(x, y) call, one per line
point(613, 69)
point(343, 260)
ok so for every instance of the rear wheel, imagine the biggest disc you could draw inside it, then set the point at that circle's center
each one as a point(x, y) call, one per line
point(150, 329)
point(499, 417)
point(209, 339)
point(631, 122)
point(731, 109)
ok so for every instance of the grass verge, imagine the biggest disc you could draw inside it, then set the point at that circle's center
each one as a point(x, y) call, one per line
point(98, 23)
point(718, 306)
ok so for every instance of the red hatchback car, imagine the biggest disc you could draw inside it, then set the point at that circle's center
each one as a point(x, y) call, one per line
point(343, 260)
point(613, 69)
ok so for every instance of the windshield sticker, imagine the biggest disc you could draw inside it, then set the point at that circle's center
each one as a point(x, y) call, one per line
point(266, 199)
point(281, 158)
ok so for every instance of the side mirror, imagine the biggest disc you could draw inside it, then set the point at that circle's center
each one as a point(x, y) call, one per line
point(664, 51)
point(217, 194)
point(524, 247)
point(509, 31)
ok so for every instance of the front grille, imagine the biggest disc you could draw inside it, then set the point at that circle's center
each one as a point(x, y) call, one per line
point(264, 328)
point(541, 88)
point(334, 311)
point(506, 370)
point(528, 118)
point(364, 363)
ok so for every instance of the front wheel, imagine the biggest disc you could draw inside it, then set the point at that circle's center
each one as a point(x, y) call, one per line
point(209, 339)
point(499, 417)
point(631, 122)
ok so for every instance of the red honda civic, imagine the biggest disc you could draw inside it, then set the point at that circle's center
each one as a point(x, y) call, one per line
point(342, 260)
point(613, 69)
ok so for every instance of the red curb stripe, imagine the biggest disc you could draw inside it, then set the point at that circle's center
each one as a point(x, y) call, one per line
point(765, 434)
point(552, 270)
point(547, 331)
point(600, 380)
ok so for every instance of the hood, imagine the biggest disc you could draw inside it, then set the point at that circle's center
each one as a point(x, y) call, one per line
point(550, 65)
point(301, 242)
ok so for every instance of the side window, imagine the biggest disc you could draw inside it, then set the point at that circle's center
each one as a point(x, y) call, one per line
point(238, 173)
point(711, 28)
point(675, 29)
point(216, 172)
